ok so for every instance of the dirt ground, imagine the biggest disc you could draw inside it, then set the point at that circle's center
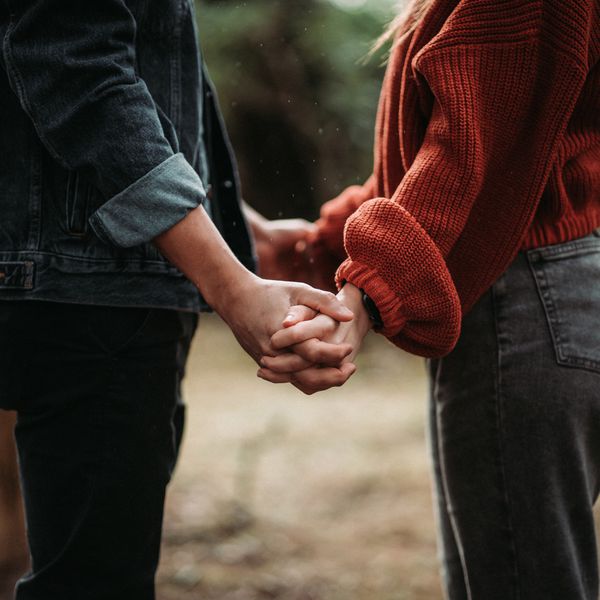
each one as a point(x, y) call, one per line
point(282, 496)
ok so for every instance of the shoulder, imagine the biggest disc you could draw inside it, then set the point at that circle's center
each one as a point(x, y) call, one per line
point(568, 26)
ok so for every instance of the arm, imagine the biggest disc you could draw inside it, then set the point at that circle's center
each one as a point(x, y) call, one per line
point(252, 307)
point(325, 249)
point(72, 65)
point(479, 172)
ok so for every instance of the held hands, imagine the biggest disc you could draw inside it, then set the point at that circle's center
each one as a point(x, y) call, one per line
point(316, 352)
point(315, 349)
point(254, 309)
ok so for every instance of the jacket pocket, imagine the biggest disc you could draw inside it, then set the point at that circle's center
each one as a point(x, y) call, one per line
point(115, 329)
point(79, 199)
point(568, 281)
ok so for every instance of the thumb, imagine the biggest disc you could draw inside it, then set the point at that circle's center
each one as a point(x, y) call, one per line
point(298, 313)
point(326, 303)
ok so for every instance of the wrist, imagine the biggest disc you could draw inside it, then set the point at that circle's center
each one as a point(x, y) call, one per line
point(352, 297)
point(229, 290)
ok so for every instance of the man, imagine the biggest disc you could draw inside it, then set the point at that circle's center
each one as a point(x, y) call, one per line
point(114, 156)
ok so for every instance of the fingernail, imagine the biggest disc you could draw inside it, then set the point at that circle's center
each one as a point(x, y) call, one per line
point(260, 374)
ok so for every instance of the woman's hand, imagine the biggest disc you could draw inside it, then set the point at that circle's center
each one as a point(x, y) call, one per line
point(281, 246)
point(314, 344)
point(289, 249)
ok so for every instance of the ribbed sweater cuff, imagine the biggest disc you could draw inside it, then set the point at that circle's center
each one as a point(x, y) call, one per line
point(388, 304)
point(400, 267)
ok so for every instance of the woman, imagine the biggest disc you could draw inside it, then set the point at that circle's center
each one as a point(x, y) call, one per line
point(476, 243)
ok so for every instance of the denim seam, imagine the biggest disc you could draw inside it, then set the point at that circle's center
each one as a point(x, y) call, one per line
point(449, 508)
point(566, 249)
point(35, 199)
point(21, 91)
point(499, 401)
point(175, 74)
point(547, 303)
point(84, 259)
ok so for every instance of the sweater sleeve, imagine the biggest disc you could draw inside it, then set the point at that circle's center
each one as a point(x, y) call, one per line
point(503, 91)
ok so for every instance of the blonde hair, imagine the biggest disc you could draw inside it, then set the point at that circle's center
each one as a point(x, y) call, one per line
point(408, 17)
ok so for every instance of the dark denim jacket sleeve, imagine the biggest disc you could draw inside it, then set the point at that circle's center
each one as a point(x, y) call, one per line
point(72, 65)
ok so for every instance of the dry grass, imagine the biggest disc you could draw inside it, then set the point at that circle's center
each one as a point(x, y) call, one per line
point(281, 496)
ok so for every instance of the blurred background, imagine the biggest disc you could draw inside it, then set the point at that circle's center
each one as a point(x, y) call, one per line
point(280, 495)
point(298, 96)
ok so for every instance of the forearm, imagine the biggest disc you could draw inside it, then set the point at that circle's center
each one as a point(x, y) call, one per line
point(197, 249)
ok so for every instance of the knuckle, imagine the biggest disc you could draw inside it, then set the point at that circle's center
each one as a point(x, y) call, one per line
point(296, 364)
point(343, 352)
point(312, 354)
point(341, 377)
point(330, 325)
point(303, 379)
point(318, 356)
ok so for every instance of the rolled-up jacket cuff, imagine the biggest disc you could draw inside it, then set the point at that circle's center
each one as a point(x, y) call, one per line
point(151, 205)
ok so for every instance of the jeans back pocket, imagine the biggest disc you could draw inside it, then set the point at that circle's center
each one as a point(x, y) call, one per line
point(568, 281)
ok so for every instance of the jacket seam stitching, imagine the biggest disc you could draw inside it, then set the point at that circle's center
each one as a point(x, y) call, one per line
point(12, 69)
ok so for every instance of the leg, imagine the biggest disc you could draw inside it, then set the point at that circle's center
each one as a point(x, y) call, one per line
point(452, 571)
point(97, 445)
point(13, 546)
point(519, 444)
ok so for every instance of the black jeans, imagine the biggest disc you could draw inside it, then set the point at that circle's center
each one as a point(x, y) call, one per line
point(97, 392)
point(515, 432)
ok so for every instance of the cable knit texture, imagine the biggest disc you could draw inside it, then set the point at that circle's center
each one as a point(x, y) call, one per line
point(487, 142)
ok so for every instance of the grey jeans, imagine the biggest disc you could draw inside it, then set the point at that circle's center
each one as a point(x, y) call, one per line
point(515, 433)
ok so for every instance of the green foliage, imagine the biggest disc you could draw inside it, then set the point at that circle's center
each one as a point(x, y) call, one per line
point(298, 98)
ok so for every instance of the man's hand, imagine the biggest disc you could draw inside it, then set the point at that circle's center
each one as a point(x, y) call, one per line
point(313, 341)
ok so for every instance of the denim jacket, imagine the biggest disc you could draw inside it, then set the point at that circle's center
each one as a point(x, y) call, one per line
point(110, 133)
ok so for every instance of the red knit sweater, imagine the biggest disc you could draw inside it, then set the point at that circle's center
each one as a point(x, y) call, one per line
point(487, 142)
